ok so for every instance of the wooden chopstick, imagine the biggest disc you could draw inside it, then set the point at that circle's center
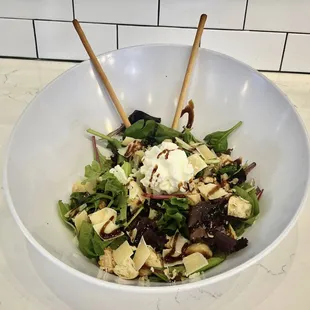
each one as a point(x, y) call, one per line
point(101, 73)
point(189, 70)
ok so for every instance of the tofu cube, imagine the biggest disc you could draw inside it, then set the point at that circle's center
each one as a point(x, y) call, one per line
point(239, 207)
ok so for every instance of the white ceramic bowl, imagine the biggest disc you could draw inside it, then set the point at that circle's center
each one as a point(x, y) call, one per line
point(49, 149)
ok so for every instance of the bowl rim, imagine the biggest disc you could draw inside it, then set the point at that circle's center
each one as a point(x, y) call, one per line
point(165, 289)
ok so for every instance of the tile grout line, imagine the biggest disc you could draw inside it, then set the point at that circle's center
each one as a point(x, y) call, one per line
point(284, 48)
point(160, 26)
point(117, 45)
point(35, 38)
point(158, 12)
point(73, 9)
point(245, 13)
point(79, 61)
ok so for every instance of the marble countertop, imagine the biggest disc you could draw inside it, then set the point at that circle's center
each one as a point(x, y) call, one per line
point(280, 280)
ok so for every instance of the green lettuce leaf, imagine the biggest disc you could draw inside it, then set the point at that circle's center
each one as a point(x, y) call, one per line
point(188, 137)
point(150, 129)
point(63, 209)
point(174, 215)
point(218, 140)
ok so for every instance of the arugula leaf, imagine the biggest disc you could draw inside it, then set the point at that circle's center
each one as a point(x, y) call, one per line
point(63, 209)
point(105, 163)
point(122, 207)
point(212, 262)
point(145, 129)
point(218, 140)
point(111, 141)
point(188, 137)
point(92, 171)
point(111, 185)
point(85, 238)
point(174, 216)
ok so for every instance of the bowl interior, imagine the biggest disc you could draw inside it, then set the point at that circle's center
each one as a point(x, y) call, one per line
point(49, 147)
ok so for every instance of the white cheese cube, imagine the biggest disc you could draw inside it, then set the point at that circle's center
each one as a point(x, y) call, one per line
point(197, 162)
point(194, 263)
point(239, 207)
point(141, 255)
point(122, 253)
point(102, 216)
point(193, 199)
point(176, 262)
point(205, 152)
point(120, 174)
point(108, 229)
point(211, 191)
point(88, 187)
point(79, 219)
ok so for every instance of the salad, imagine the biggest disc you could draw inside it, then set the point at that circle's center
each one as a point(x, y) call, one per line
point(162, 205)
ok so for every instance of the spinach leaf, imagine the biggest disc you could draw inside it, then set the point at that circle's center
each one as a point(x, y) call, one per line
point(117, 242)
point(99, 245)
point(63, 209)
point(138, 115)
point(145, 129)
point(239, 226)
point(188, 137)
point(141, 129)
point(218, 140)
point(174, 216)
point(85, 238)
point(229, 169)
point(212, 262)
point(163, 132)
point(111, 141)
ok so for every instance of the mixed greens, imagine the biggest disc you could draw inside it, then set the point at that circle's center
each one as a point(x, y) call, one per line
point(163, 206)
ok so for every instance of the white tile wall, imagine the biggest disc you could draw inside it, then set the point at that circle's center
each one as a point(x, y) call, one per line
point(117, 11)
point(281, 15)
point(258, 49)
point(297, 53)
point(261, 50)
point(17, 38)
point(58, 40)
point(221, 13)
point(261, 44)
point(44, 9)
point(137, 35)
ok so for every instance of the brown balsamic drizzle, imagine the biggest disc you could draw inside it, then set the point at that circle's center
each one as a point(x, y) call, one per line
point(169, 258)
point(166, 152)
point(153, 172)
point(132, 148)
point(112, 234)
point(190, 110)
point(161, 153)
point(213, 190)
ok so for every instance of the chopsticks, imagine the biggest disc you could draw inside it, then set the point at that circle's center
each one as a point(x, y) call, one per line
point(101, 73)
point(189, 70)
